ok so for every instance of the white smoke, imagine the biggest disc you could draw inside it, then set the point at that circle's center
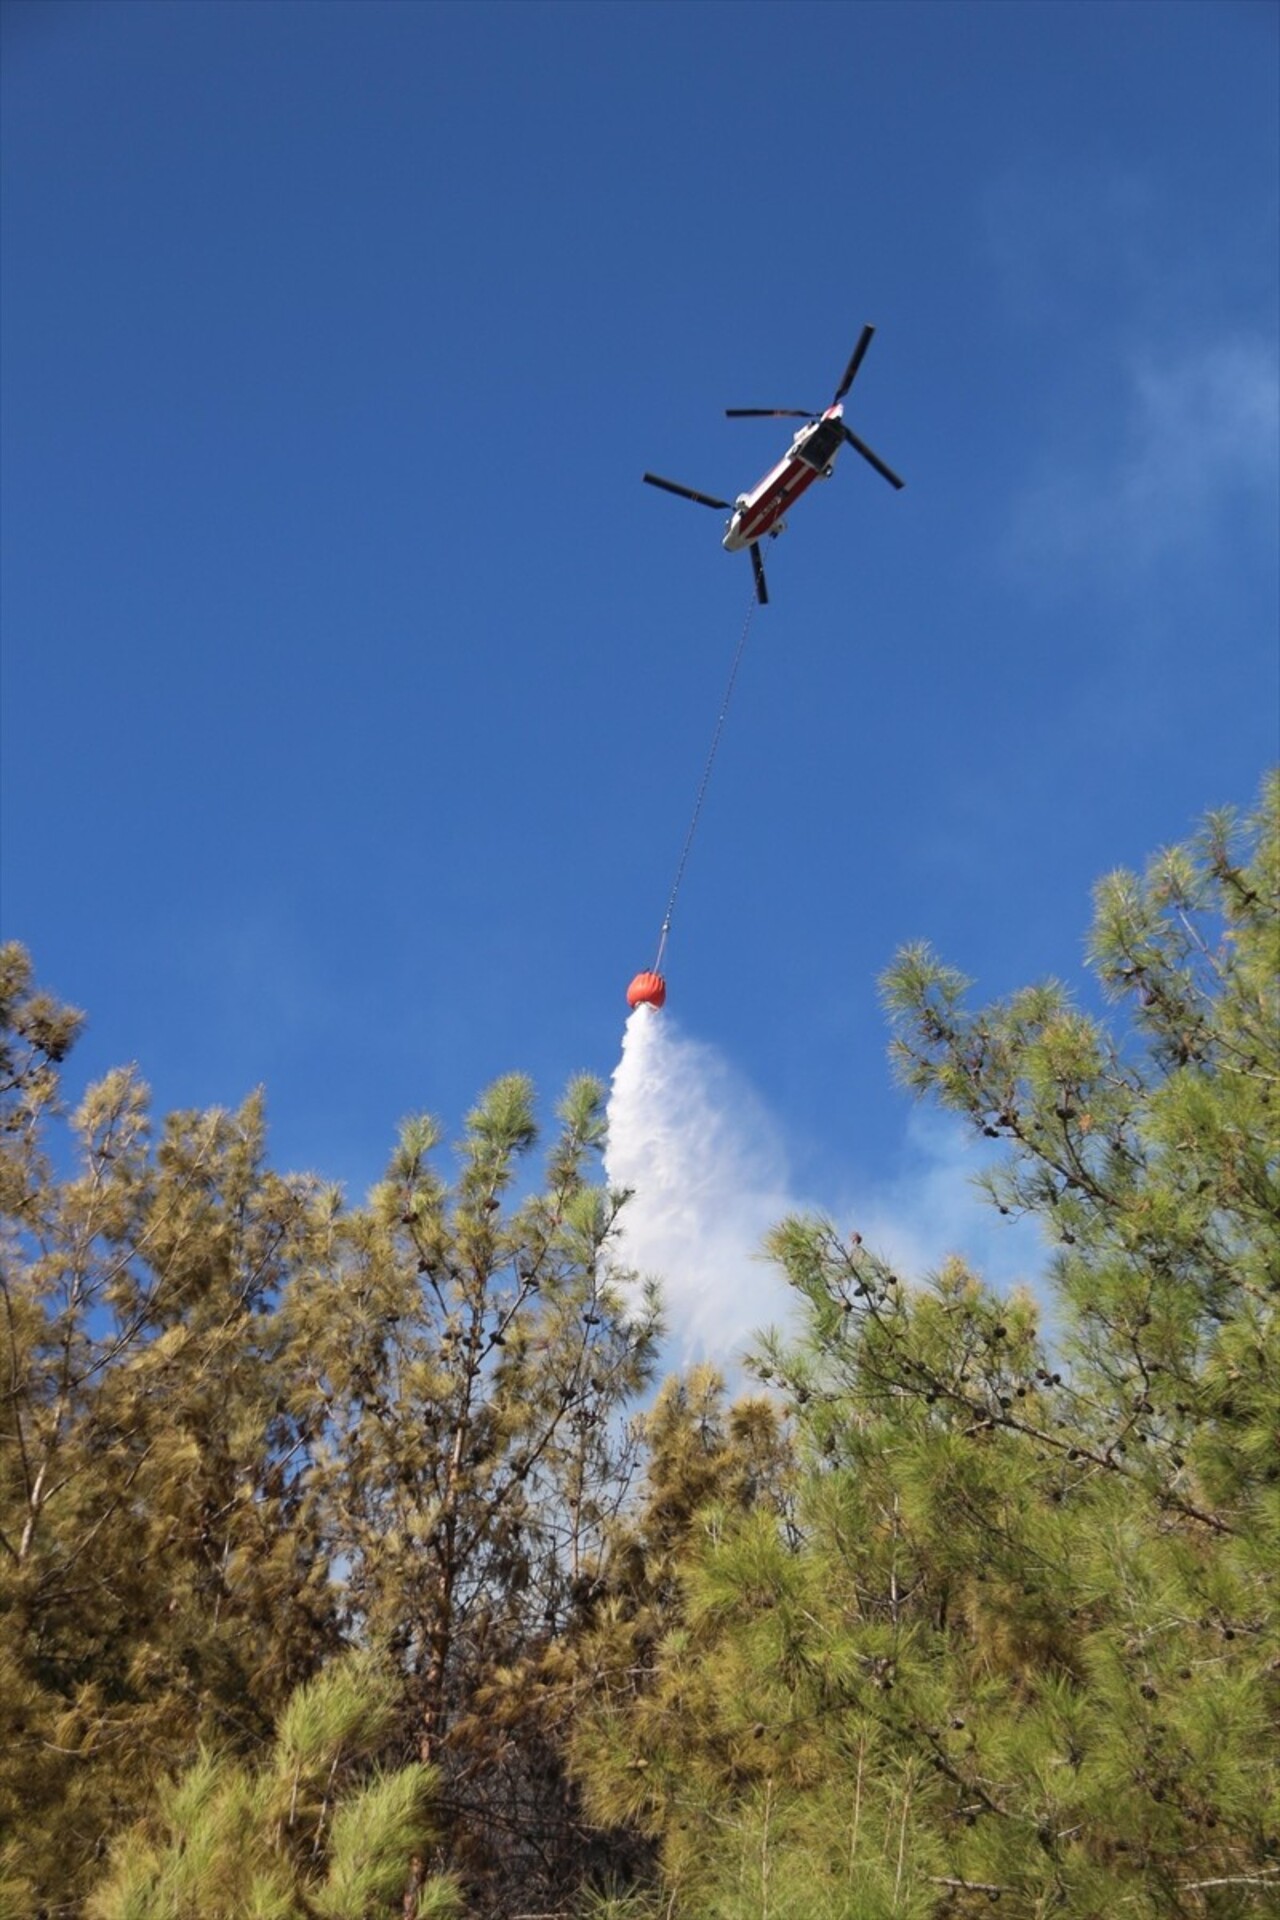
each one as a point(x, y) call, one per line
point(708, 1177)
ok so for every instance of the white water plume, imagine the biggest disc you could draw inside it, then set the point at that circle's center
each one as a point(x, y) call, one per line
point(708, 1178)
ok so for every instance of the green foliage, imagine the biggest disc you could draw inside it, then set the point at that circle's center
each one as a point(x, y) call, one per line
point(1014, 1638)
point(956, 1611)
point(156, 1582)
point(467, 1359)
point(1150, 1157)
point(306, 1833)
point(244, 1424)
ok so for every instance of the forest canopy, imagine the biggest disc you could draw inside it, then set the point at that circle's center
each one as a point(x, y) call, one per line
point(354, 1559)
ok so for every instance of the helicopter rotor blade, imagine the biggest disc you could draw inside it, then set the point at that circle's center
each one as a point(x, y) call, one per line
point(686, 493)
point(873, 459)
point(757, 567)
point(855, 361)
point(768, 413)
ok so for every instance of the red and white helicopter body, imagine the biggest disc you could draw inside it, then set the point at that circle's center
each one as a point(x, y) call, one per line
point(811, 457)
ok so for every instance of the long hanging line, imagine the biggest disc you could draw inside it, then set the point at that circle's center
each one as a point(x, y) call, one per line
point(706, 776)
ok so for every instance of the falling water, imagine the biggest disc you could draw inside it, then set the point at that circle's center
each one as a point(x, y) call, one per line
point(708, 1176)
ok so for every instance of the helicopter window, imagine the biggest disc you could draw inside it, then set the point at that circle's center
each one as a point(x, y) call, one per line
point(821, 444)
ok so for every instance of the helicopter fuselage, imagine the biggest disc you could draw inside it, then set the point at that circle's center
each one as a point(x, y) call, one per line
point(810, 457)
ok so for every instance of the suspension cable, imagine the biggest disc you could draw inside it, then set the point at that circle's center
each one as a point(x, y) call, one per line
point(706, 776)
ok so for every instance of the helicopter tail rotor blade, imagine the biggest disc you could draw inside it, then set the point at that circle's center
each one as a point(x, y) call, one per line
point(873, 459)
point(686, 493)
point(757, 567)
point(855, 361)
point(767, 413)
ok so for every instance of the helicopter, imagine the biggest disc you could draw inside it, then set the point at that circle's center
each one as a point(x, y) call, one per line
point(811, 456)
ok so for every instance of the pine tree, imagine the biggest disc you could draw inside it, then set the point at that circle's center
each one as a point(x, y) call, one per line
point(154, 1581)
point(468, 1359)
point(309, 1830)
point(244, 1423)
point(1020, 1642)
point(628, 1687)
point(1151, 1156)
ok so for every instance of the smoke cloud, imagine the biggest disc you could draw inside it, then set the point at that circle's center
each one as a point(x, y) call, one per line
point(708, 1176)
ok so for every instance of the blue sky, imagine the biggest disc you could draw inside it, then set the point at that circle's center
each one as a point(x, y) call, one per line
point(355, 692)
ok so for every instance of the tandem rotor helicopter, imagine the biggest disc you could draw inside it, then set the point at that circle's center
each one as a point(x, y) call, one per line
point(810, 457)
